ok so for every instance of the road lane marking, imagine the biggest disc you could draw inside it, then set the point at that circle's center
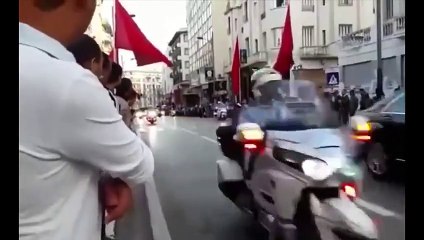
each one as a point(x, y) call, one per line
point(378, 209)
point(188, 131)
point(209, 139)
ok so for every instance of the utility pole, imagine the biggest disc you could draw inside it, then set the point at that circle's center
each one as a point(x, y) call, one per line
point(379, 90)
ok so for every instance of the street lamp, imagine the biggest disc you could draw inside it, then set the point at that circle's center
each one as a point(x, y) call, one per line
point(379, 90)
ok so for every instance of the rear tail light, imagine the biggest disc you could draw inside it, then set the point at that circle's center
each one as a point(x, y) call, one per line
point(362, 131)
point(252, 140)
point(350, 189)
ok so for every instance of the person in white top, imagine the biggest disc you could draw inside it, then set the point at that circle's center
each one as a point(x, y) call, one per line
point(68, 130)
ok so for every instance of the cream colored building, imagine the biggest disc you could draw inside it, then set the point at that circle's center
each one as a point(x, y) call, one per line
point(149, 84)
point(358, 54)
point(100, 29)
point(317, 28)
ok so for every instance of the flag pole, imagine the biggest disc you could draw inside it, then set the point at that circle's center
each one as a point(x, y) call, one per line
point(115, 50)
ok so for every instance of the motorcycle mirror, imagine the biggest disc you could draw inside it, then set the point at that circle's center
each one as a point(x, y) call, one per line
point(316, 169)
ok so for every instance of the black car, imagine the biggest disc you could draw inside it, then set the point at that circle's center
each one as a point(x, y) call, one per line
point(380, 132)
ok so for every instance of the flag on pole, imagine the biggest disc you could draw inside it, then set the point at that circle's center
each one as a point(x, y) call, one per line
point(284, 60)
point(129, 37)
point(235, 70)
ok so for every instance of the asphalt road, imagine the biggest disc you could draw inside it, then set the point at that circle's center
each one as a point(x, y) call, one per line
point(185, 152)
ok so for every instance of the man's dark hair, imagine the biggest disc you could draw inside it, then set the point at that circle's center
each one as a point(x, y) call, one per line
point(48, 5)
point(85, 49)
point(106, 61)
point(123, 89)
point(115, 73)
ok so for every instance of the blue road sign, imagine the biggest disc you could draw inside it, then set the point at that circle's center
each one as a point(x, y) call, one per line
point(333, 78)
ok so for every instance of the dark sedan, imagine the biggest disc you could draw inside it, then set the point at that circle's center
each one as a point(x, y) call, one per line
point(380, 132)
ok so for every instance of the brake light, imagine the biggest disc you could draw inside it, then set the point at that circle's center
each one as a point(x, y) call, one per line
point(361, 137)
point(252, 140)
point(362, 131)
point(350, 189)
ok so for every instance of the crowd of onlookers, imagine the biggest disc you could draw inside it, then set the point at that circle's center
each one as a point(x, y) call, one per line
point(346, 104)
point(89, 55)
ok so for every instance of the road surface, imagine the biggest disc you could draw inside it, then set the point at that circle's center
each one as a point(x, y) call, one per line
point(185, 152)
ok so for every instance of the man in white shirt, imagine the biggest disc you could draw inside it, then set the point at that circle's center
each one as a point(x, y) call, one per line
point(68, 129)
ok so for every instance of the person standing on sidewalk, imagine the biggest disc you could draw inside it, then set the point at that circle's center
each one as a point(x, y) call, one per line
point(69, 131)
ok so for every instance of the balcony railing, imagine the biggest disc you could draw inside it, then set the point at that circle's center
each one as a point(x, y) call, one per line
point(258, 57)
point(314, 52)
point(394, 26)
point(357, 38)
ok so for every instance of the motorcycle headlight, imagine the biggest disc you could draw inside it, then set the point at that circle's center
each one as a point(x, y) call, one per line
point(316, 169)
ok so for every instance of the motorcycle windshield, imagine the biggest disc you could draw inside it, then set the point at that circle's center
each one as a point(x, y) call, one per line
point(282, 101)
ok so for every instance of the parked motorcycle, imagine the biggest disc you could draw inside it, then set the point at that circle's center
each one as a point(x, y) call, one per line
point(294, 177)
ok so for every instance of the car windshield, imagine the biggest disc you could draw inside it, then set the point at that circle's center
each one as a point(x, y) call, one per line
point(300, 90)
point(288, 102)
point(395, 103)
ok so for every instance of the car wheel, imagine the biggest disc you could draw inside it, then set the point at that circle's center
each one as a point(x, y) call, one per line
point(377, 161)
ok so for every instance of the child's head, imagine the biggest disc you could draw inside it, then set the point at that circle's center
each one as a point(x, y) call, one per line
point(88, 54)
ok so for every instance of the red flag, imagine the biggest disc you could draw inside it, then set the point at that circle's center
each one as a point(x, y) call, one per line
point(285, 55)
point(235, 69)
point(128, 36)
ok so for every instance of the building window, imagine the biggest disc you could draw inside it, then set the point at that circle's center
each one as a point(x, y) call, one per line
point(324, 38)
point(308, 5)
point(323, 2)
point(186, 64)
point(230, 54)
point(185, 37)
point(388, 13)
point(246, 12)
point(185, 51)
point(247, 45)
point(276, 34)
point(280, 3)
point(345, 2)
point(307, 36)
point(344, 29)
point(229, 25)
point(264, 45)
point(235, 24)
point(256, 46)
point(187, 77)
point(263, 7)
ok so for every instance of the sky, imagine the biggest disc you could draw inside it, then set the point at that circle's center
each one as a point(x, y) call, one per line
point(157, 19)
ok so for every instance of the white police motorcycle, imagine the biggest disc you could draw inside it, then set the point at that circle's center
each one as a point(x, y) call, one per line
point(296, 178)
point(221, 111)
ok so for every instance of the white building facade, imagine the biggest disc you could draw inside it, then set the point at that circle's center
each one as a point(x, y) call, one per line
point(149, 84)
point(167, 81)
point(317, 27)
point(358, 55)
point(179, 55)
point(206, 34)
point(100, 29)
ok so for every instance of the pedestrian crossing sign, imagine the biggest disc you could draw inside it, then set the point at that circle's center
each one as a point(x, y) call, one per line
point(333, 78)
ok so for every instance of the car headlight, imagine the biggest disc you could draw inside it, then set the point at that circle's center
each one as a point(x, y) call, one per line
point(316, 169)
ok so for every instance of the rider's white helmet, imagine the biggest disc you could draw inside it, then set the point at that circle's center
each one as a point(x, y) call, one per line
point(263, 76)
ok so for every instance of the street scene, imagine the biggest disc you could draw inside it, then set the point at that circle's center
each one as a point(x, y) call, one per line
point(212, 120)
point(185, 152)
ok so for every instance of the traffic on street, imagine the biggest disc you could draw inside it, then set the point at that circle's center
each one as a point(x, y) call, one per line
point(185, 152)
